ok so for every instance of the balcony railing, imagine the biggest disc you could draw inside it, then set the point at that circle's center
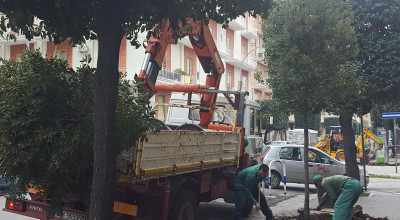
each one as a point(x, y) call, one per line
point(169, 76)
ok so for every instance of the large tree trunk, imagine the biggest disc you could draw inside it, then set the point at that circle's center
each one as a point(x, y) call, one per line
point(350, 149)
point(306, 173)
point(110, 34)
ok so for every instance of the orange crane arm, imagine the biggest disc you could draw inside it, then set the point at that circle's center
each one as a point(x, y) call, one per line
point(207, 53)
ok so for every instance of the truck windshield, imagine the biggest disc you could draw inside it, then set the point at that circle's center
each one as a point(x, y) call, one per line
point(194, 114)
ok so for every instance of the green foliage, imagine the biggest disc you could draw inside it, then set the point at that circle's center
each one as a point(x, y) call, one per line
point(273, 108)
point(77, 20)
point(378, 35)
point(133, 114)
point(46, 125)
point(310, 47)
point(314, 121)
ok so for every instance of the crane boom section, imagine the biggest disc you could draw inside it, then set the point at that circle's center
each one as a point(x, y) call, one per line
point(204, 46)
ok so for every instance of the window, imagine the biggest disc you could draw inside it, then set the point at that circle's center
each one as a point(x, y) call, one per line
point(194, 114)
point(60, 54)
point(189, 66)
point(229, 80)
point(244, 81)
point(258, 123)
point(18, 57)
point(244, 52)
point(252, 120)
point(229, 45)
point(317, 157)
point(290, 153)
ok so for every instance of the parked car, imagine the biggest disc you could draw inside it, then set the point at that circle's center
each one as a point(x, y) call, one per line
point(4, 184)
point(320, 163)
point(281, 142)
point(267, 145)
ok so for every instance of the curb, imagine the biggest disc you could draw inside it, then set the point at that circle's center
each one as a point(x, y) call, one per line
point(392, 176)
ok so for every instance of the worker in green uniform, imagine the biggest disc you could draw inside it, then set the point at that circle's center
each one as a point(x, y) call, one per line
point(343, 191)
point(246, 191)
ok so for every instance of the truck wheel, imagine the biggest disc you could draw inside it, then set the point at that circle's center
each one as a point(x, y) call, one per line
point(184, 206)
point(161, 124)
point(189, 127)
point(340, 156)
point(275, 180)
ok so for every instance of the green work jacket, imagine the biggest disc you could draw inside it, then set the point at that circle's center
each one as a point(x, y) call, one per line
point(333, 186)
point(247, 180)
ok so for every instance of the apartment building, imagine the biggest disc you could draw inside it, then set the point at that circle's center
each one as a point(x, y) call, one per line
point(240, 47)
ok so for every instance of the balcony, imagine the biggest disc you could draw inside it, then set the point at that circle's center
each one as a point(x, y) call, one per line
point(238, 24)
point(169, 77)
point(250, 33)
point(241, 60)
point(185, 41)
point(20, 40)
point(262, 86)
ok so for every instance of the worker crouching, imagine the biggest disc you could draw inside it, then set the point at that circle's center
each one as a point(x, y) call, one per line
point(246, 190)
point(343, 191)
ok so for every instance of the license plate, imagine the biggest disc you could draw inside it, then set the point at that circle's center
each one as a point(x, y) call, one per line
point(71, 216)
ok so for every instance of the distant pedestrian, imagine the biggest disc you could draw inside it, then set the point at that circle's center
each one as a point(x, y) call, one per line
point(343, 191)
point(246, 190)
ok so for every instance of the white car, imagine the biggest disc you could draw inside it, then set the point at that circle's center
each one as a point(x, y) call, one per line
point(281, 142)
point(319, 163)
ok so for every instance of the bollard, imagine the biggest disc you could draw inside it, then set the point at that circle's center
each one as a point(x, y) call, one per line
point(284, 177)
point(270, 178)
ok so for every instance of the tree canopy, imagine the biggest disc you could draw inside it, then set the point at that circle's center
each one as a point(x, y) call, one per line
point(378, 36)
point(272, 108)
point(310, 48)
point(46, 125)
point(78, 21)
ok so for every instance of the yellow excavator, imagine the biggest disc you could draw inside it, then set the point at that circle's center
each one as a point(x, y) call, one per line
point(334, 145)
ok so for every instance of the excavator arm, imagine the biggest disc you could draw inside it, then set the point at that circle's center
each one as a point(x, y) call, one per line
point(368, 133)
point(208, 55)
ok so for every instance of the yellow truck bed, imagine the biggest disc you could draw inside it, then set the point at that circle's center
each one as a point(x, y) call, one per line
point(169, 153)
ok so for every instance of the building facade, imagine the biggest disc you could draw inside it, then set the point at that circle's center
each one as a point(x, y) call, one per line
point(240, 47)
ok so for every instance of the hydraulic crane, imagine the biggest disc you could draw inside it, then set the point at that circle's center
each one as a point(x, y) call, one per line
point(208, 55)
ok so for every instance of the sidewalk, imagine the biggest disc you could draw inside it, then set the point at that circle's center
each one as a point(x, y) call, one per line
point(388, 169)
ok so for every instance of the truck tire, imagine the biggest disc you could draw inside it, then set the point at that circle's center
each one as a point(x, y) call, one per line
point(189, 127)
point(340, 156)
point(163, 126)
point(275, 180)
point(184, 206)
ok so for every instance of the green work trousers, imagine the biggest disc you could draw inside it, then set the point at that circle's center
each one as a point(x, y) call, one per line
point(344, 204)
point(243, 205)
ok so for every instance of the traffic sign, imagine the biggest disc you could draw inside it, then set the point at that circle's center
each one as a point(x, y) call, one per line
point(391, 115)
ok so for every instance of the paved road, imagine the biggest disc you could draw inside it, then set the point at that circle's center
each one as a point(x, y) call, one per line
point(219, 210)
point(383, 203)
